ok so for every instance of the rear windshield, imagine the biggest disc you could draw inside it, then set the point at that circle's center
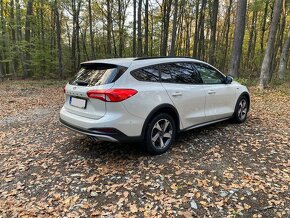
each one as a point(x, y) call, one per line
point(97, 74)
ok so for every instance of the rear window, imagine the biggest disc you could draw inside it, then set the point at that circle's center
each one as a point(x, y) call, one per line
point(179, 72)
point(149, 74)
point(97, 74)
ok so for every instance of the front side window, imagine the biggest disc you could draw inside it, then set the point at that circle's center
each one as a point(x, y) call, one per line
point(97, 74)
point(179, 72)
point(149, 74)
point(208, 74)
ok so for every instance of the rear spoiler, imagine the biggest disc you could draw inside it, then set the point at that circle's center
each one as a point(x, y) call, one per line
point(98, 65)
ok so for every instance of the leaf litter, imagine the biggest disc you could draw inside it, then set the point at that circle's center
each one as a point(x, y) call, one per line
point(222, 170)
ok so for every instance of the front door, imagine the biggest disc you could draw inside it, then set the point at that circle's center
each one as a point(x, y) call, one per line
point(220, 97)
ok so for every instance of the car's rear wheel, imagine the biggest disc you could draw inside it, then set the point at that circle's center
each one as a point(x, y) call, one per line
point(241, 110)
point(160, 134)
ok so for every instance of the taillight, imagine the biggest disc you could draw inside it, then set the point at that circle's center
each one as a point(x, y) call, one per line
point(64, 89)
point(112, 95)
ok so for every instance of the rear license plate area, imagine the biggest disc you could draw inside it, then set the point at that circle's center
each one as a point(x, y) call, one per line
point(78, 102)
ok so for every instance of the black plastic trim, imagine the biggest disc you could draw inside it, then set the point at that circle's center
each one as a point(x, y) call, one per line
point(206, 123)
point(248, 95)
point(153, 112)
point(117, 134)
point(163, 57)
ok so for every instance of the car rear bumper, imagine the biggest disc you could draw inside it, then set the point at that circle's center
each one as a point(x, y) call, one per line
point(91, 127)
point(93, 133)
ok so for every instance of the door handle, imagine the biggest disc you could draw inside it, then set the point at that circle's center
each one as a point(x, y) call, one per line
point(211, 92)
point(175, 94)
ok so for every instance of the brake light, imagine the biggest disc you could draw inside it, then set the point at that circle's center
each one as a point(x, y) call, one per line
point(112, 95)
point(64, 89)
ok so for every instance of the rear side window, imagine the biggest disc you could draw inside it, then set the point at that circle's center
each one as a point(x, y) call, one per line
point(149, 74)
point(97, 74)
point(179, 72)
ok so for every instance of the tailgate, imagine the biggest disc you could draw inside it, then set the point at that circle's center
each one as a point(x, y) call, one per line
point(77, 101)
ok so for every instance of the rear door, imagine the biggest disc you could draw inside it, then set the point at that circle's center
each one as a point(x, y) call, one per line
point(220, 97)
point(90, 77)
point(183, 85)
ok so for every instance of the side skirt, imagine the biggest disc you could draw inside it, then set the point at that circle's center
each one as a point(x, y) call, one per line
point(204, 124)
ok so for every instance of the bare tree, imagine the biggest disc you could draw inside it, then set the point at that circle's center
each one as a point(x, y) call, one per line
point(166, 17)
point(93, 54)
point(226, 33)
point(58, 36)
point(213, 24)
point(146, 44)
point(173, 36)
point(109, 28)
point(252, 38)
point(196, 29)
point(29, 12)
point(200, 48)
point(134, 27)
point(266, 65)
point(139, 51)
point(238, 38)
point(284, 57)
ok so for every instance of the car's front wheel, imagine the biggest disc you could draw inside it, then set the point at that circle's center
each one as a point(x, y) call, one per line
point(241, 110)
point(160, 134)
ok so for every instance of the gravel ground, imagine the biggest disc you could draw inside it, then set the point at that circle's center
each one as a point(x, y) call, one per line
point(222, 170)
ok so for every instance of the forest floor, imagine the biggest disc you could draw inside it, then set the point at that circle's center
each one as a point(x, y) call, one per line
point(220, 170)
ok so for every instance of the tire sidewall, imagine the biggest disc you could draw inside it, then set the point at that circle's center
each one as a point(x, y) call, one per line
point(149, 146)
point(236, 115)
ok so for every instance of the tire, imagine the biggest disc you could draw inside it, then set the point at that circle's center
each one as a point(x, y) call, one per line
point(157, 139)
point(241, 110)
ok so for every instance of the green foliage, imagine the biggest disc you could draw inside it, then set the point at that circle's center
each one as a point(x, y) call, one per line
point(43, 48)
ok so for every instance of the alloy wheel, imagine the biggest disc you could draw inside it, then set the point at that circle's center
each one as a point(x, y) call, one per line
point(243, 108)
point(161, 134)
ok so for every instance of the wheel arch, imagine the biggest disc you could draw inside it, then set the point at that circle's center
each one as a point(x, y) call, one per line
point(247, 95)
point(164, 108)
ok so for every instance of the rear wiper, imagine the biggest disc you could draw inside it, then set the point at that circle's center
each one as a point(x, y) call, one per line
point(82, 83)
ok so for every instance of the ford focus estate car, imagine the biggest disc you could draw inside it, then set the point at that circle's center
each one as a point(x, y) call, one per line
point(150, 100)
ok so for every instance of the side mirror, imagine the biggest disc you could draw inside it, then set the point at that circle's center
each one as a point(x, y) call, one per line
point(229, 79)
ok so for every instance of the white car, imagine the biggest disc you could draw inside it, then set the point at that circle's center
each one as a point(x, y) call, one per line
point(150, 100)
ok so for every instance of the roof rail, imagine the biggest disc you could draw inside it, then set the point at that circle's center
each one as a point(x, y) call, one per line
point(156, 57)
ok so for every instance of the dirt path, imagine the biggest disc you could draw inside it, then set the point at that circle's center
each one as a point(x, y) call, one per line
point(216, 171)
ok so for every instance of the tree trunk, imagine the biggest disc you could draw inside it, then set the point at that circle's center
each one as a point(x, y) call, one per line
point(227, 32)
point(196, 30)
point(146, 46)
point(251, 42)
point(13, 35)
point(263, 31)
point(284, 58)
point(238, 38)
point(78, 33)
point(188, 34)
point(213, 24)
point(174, 28)
point(43, 62)
point(167, 9)
point(109, 28)
point(134, 27)
point(28, 37)
point(2, 40)
point(19, 37)
point(266, 65)
point(58, 37)
point(93, 54)
point(200, 50)
point(73, 40)
point(139, 51)
point(279, 40)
